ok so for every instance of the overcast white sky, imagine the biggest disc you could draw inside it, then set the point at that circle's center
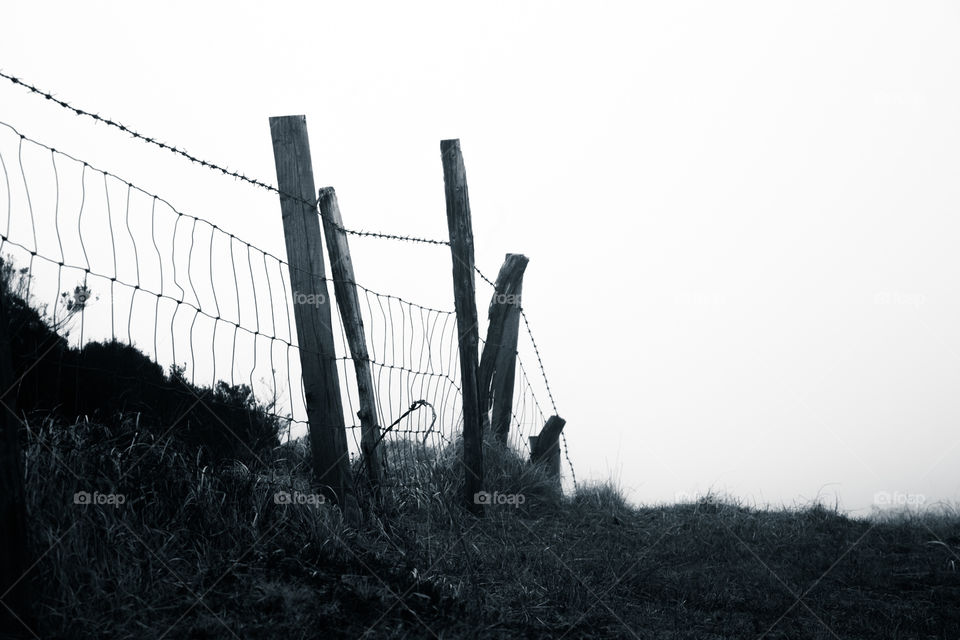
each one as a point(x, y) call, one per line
point(741, 217)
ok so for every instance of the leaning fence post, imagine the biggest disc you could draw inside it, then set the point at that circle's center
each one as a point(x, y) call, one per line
point(498, 362)
point(345, 287)
point(545, 448)
point(16, 616)
point(464, 294)
point(311, 309)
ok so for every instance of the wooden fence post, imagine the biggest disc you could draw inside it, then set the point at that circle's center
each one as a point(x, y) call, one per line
point(545, 448)
point(465, 301)
point(311, 308)
point(345, 288)
point(16, 618)
point(498, 362)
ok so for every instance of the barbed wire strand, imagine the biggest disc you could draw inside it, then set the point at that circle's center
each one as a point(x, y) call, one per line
point(208, 164)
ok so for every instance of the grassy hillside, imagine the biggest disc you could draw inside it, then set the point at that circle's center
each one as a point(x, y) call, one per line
point(150, 518)
point(584, 566)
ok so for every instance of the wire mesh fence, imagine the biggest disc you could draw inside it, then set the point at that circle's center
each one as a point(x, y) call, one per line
point(109, 263)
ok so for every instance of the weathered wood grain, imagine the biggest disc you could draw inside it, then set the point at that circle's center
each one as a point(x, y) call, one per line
point(348, 301)
point(460, 227)
point(301, 229)
point(499, 359)
point(545, 448)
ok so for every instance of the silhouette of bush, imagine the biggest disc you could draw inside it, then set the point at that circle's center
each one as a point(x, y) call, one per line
point(226, 419)
point(36, 349)
point(107, 381)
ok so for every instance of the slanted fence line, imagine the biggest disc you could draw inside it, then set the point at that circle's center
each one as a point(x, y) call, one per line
point(258, 315)
point(236, 318)
point(264, 185)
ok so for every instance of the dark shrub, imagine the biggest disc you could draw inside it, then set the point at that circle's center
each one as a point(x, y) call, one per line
point(108, 381)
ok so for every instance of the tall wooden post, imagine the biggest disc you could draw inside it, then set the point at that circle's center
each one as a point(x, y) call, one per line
point(16, 617)
point(498, 362)
point(545, 448)
point(311, 309)
point(344, 285)
point(465, 302)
